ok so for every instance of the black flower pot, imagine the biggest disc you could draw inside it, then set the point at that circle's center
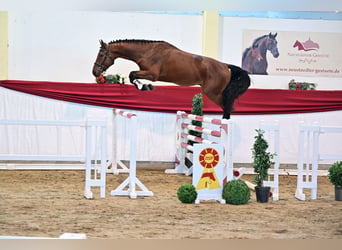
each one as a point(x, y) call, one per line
point(262, 193)
point(338, 193)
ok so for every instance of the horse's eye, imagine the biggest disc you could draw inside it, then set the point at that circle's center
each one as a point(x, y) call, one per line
point(100, 55)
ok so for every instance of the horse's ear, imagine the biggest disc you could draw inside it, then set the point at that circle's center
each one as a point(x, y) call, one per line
point(273, 36)
point(103, 44)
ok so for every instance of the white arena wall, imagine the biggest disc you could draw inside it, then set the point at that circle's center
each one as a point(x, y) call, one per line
point(62, 46)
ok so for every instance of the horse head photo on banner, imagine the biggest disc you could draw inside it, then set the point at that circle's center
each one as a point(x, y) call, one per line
point(254, 59)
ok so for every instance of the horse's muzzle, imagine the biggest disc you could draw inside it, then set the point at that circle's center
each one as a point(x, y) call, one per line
point(275, 52)
point(96, 72)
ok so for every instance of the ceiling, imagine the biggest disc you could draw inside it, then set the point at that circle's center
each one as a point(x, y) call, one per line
point(153, 5)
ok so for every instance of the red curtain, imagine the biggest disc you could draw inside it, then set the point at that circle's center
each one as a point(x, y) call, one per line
point(173, 98)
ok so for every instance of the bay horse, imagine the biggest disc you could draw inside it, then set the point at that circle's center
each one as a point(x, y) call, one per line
point(160, 61)
point(254, 59)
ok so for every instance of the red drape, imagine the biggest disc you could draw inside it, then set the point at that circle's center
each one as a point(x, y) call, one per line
point(173, 98)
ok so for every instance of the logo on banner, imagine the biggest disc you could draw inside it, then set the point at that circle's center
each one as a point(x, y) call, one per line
point(208, 159)
point(306, 46)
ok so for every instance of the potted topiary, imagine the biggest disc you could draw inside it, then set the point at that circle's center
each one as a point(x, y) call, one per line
point(236, 192)
point(335, 177)
point(262, 161)
point(197, 109)
point(187, 193)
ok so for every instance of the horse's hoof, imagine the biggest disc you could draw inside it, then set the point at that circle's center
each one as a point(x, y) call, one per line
point(144, 87)
point(225, 116)
point(151, 87)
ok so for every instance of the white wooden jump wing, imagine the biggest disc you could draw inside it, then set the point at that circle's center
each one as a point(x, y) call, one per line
point(309, 157)
point(91, 159)
point(272, 137)
point(92, 177)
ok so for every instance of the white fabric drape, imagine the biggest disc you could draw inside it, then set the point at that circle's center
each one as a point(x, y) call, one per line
point(156, 131)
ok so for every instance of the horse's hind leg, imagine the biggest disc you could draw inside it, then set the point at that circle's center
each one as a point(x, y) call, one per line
point(228, 107)
point(228, 98)
point(239, 83)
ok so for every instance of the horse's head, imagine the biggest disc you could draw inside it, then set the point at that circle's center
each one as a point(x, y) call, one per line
point(104, 60)
point(271, 44)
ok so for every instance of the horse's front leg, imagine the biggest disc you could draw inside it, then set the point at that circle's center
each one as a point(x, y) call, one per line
point(142, 86)
point(134, 77)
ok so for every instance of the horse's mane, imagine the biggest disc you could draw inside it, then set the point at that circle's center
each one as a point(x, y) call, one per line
point(255, 44)
point(245, 53)
point(256, 41)
point(135, 41)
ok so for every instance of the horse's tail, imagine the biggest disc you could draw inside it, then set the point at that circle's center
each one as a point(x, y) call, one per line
point(239, 83)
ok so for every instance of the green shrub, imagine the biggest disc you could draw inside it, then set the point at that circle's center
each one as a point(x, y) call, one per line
point(236, 192)
point(187, 193)
point(335, 173)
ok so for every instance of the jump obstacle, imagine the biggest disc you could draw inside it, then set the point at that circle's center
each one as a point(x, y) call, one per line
point(95, 154)
point(307, 165)
point(223, 135)
point(220, 132)
point(309, 157)
point(95, 151)
point(128, 186)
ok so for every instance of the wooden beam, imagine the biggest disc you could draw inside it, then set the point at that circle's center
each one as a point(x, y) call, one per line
point(210, 42)
point(3, 45)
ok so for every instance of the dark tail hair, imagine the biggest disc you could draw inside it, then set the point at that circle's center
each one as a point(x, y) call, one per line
point(239, 83)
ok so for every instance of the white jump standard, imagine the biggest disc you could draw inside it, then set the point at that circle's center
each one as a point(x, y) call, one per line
point(92, 177)
point(309, 157)
point(128, 186)
point(272, 131)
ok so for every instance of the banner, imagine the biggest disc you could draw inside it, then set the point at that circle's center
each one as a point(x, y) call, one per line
point(314, 54)
point(208, 171)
